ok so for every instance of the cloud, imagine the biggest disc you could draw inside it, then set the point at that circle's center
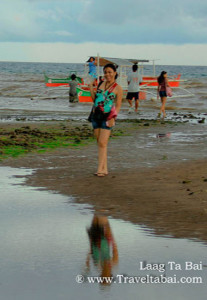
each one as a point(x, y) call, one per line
point(175, 21)
point(63, 33)
point(111, 21)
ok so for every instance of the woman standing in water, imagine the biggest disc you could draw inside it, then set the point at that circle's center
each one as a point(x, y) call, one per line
point(107, 103)
point(161, 91)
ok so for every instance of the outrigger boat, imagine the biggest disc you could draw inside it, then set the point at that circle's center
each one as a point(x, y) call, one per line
point(149, 83)
point(148, 86)
point(61, 81)
point(152, 81)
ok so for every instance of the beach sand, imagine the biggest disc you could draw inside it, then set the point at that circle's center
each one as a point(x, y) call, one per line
point(168, 196)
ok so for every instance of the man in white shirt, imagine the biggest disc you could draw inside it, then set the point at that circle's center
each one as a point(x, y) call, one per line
point(134, 80)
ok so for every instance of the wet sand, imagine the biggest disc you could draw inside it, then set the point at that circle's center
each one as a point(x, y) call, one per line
point(169, 196)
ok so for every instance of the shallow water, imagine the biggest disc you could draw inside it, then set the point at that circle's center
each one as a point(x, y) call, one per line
point(23, 94)
point(44, 246)
point(184, 142)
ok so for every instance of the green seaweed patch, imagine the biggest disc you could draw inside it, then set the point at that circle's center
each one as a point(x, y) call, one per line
point(12, 151)
point(119, 132)
point(19, 141)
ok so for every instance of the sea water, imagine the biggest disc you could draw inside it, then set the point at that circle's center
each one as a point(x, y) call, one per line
point(23, 94)
point(44, 242)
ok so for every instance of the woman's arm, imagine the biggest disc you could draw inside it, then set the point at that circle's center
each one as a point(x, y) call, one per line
point(115, 257)
point(166, 82)
point(119, 96)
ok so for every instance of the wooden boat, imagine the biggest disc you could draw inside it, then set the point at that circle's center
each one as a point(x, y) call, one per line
point(148, 82)
point(151, 81)
point(148, 86)
point(84, 94)
point(60, 81)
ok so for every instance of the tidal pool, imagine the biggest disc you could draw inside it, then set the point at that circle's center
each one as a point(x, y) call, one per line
point(47, 240)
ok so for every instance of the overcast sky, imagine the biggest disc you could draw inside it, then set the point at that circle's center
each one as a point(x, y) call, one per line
point(174, 31)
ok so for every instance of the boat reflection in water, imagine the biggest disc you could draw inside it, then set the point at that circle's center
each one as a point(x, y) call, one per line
point(103, 248)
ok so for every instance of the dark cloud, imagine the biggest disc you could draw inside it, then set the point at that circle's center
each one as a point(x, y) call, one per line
point(162, 21)
point(117, 21)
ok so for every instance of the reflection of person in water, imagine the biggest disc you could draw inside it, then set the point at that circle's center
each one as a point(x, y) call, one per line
point(103, 248)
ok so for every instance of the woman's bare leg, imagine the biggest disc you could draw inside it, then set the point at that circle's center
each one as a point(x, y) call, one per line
point(102, 139)
point(162, 109)
point(96, 134)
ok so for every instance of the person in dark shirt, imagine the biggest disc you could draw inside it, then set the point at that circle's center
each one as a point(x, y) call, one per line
point(72, 91)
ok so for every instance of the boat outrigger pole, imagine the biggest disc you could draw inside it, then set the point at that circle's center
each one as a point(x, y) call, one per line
point(153, 62)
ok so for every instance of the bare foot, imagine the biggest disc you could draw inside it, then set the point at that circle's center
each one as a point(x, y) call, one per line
point(105, 173)
point(101, 174)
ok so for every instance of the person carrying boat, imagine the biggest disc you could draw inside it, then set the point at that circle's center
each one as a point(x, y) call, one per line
point(161, 92)
point(72, 91)
point(104, 112)
point(134, 79)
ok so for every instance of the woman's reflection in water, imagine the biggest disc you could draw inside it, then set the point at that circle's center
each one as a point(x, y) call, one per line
point(103, 248)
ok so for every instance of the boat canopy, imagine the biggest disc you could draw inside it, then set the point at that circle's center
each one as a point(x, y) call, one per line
point(124, 62)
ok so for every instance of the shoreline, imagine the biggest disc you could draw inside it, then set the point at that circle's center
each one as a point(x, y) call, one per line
point(168, 197)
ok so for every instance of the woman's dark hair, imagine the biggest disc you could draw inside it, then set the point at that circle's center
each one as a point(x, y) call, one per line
point(90, 59)
point(134, 67)
point(73, 76)
point(160, 79)
point(113, 67)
